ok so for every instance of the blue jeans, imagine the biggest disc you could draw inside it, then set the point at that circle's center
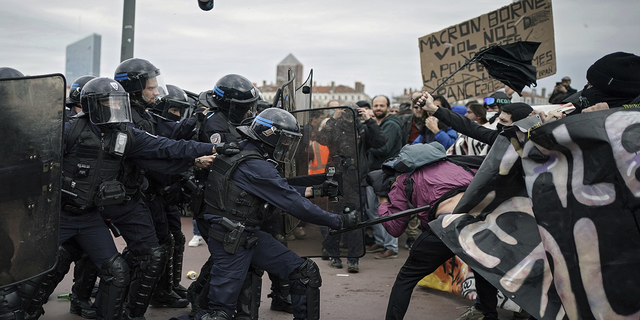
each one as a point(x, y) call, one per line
point(381, 236)
point(196, 232)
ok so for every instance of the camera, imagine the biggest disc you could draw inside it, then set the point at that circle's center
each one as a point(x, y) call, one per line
point(558, 83)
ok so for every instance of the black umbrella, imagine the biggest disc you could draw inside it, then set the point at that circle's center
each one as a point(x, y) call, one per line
point(509, 64)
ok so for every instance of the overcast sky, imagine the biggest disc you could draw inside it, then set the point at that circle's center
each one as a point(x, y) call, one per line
point(371, 41)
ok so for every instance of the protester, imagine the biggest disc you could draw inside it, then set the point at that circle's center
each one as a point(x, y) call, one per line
point(562, 90)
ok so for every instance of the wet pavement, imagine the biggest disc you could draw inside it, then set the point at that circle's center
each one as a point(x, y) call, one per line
point(362, 295)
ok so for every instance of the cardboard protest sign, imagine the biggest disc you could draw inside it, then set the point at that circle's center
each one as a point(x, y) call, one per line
point(443, 52)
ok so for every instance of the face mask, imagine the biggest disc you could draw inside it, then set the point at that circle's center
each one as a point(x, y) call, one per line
point(500, 126)
point(594, 96)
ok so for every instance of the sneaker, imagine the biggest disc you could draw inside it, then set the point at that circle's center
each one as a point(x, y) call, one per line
point(325, 254)
point(409, 243)
point(352, 266)
point(387, 254)
point(375, 248)
point(196, 241)
point(299, 232)
point(335, 263)
point(471, 314)
point(290, 237)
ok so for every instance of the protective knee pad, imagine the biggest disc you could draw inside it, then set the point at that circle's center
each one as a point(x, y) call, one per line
point(305, 291)
point(47, 283)
point(114, 278)
point(178, 256)
point(144, 280)
point(85, 274)
point(249, 299)
point(11, 303)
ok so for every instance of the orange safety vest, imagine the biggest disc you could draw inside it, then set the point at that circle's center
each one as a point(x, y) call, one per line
point(320, 158)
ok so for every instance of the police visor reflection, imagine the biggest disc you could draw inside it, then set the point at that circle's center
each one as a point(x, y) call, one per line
point(112, 109)
point(287, 145)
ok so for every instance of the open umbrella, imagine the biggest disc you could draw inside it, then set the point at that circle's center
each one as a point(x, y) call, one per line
point(509, 64)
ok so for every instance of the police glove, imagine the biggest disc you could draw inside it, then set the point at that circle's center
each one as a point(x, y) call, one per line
point(349, 218)
point(327, 188)
point(227, 148)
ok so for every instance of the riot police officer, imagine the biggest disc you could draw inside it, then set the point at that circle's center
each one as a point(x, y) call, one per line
point(96, 144)
point(230, 102)
point(163, 196)
point(73, 100)
point(240, 191)
point(145, 85)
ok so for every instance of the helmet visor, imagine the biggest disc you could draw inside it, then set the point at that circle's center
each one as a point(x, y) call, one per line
point(154, 89)
point(241, 109)
point(287, 145)
point(109, 108)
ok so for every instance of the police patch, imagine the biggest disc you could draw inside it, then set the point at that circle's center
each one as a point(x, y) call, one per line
point(215, 138)
point(114, 85)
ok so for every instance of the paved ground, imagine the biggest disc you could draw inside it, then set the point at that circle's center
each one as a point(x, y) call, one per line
point(343, 295)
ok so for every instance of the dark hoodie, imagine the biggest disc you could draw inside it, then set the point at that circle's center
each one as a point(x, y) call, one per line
point(392, 129)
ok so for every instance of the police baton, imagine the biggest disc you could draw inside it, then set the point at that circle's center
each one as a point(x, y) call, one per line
point(381, 219)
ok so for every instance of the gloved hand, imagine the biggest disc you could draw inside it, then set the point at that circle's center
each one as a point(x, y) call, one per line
point(327, 188)
point(227, 148)
point(349, 218)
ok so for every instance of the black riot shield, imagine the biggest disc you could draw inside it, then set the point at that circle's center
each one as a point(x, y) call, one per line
point(30, 175)
point(327, 151)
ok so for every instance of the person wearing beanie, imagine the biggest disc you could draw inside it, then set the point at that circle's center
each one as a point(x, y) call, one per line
point(514, 112)
point(613, 81)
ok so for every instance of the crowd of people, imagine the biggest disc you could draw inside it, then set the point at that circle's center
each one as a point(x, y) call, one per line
point(135, 148)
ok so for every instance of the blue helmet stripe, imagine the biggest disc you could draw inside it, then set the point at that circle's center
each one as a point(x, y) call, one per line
point(122, 76)
point(218, 91)
point(74, 86)
point(263, 121)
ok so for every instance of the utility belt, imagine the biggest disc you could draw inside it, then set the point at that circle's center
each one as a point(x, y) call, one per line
point(233, 239)
point(234, 214)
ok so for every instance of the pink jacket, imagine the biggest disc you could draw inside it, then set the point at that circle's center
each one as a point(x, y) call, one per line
point(431, 182)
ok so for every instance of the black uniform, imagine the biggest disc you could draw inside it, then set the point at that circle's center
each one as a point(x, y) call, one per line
point(250, 182)
point(92, 168)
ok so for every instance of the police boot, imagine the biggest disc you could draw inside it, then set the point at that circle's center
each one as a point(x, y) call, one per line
point(44, 285)
point(148, 269)
point(163, 296)
point(84, 278)
point(114, 277)
point(280, 298)
point(249, 299)
point(178, 256)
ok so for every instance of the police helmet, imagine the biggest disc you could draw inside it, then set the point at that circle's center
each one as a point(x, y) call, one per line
point(76, 89)
point(235, 96)
point(6, 72)
point(134, 73)
point(278, 129)
point(105, 101)
point(175, 99)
